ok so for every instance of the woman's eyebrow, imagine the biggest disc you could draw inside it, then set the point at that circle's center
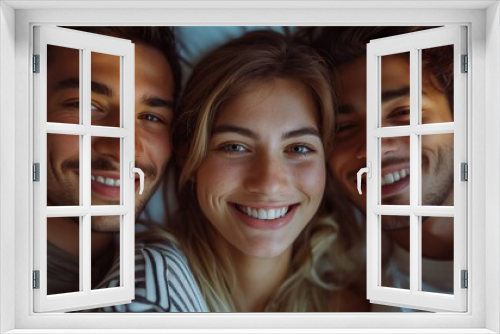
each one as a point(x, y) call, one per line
point(236, 129)
point(305, 131)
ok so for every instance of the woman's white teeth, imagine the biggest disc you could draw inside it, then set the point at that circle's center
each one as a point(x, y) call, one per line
point(106, 180)
point(265, 214)
point(390, 178)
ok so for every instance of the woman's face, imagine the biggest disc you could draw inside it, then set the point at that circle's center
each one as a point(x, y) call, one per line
point(264, 174)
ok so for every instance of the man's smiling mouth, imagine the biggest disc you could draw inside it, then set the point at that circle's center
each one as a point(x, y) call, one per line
point(388, 178)
point(106, 180)
point(395, 176)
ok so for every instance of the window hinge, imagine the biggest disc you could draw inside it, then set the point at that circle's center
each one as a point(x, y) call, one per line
point(465, 64)
point(465, 279)
point(465, 171)
point(36, 279)
point(36, 172)
point(36, 63)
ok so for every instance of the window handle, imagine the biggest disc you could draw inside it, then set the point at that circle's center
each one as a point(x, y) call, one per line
point(368, 171)
point(141, 176)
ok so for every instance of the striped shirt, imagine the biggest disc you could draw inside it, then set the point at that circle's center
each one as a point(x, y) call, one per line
point(163, 281)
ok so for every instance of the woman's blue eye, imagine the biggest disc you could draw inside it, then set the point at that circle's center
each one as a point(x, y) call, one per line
point(234, 148)
point(301, 150)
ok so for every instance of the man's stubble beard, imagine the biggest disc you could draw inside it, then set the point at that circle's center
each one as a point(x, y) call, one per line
point(111, 224)
point(69, 196)
point(436, 193)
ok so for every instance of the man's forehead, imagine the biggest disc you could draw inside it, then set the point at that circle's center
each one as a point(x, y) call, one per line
point(351, 87)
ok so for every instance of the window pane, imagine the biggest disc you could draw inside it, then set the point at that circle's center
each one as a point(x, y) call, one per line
point(437, 254)
point(63, 170)
point(437, 169)
point(395, 257)
point(395, 170)
point(63, 255)
point(106, 238)
point(105, 77)
point(437, 85)
point(63, 85)
point(105, 178)
point(395, 85)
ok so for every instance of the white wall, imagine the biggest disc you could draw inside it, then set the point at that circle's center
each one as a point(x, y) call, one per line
point(492, 166)
point(7, 159)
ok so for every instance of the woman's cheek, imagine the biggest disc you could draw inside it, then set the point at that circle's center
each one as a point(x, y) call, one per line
point(311, 177)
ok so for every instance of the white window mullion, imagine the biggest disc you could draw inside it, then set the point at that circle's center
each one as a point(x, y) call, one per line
point(74, 211)
point(127, 230)
point(75, 129)
point(401, 210)
point(392, 131)
point(40, 156)
point(85, 168)
point(406, 130)
point(460, 155)
point(85, 255)
point(431, 129)
point(105, 131)
point(373, 274)
point(415, 170)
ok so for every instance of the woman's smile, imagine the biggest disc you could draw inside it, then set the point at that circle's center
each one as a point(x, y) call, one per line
point(264, 175)
point(265, 219)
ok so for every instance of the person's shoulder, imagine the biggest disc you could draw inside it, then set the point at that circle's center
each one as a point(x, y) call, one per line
point(156, 250)
point(166, 264)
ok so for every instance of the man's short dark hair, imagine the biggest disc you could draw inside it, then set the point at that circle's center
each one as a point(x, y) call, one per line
point(160, 38)
point(340, 45)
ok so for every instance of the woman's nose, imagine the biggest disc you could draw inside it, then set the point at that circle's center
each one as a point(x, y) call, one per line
point(268, 176)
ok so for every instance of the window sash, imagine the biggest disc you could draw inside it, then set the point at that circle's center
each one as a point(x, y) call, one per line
point(85, 42)
point(413, 43)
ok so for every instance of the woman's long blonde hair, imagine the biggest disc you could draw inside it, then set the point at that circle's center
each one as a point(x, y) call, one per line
point(224, 73)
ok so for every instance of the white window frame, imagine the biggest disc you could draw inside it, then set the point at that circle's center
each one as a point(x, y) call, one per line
point(86, 43)
point(413, 43)
point(16, 21)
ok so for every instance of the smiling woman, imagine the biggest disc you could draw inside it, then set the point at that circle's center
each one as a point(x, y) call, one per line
point(255, 126)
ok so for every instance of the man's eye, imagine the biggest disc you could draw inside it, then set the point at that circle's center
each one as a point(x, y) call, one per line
point(345, 126)
point(72, 104)
point(150, 118)
point(76, 105)
point(94, 107)
point(400, 113)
